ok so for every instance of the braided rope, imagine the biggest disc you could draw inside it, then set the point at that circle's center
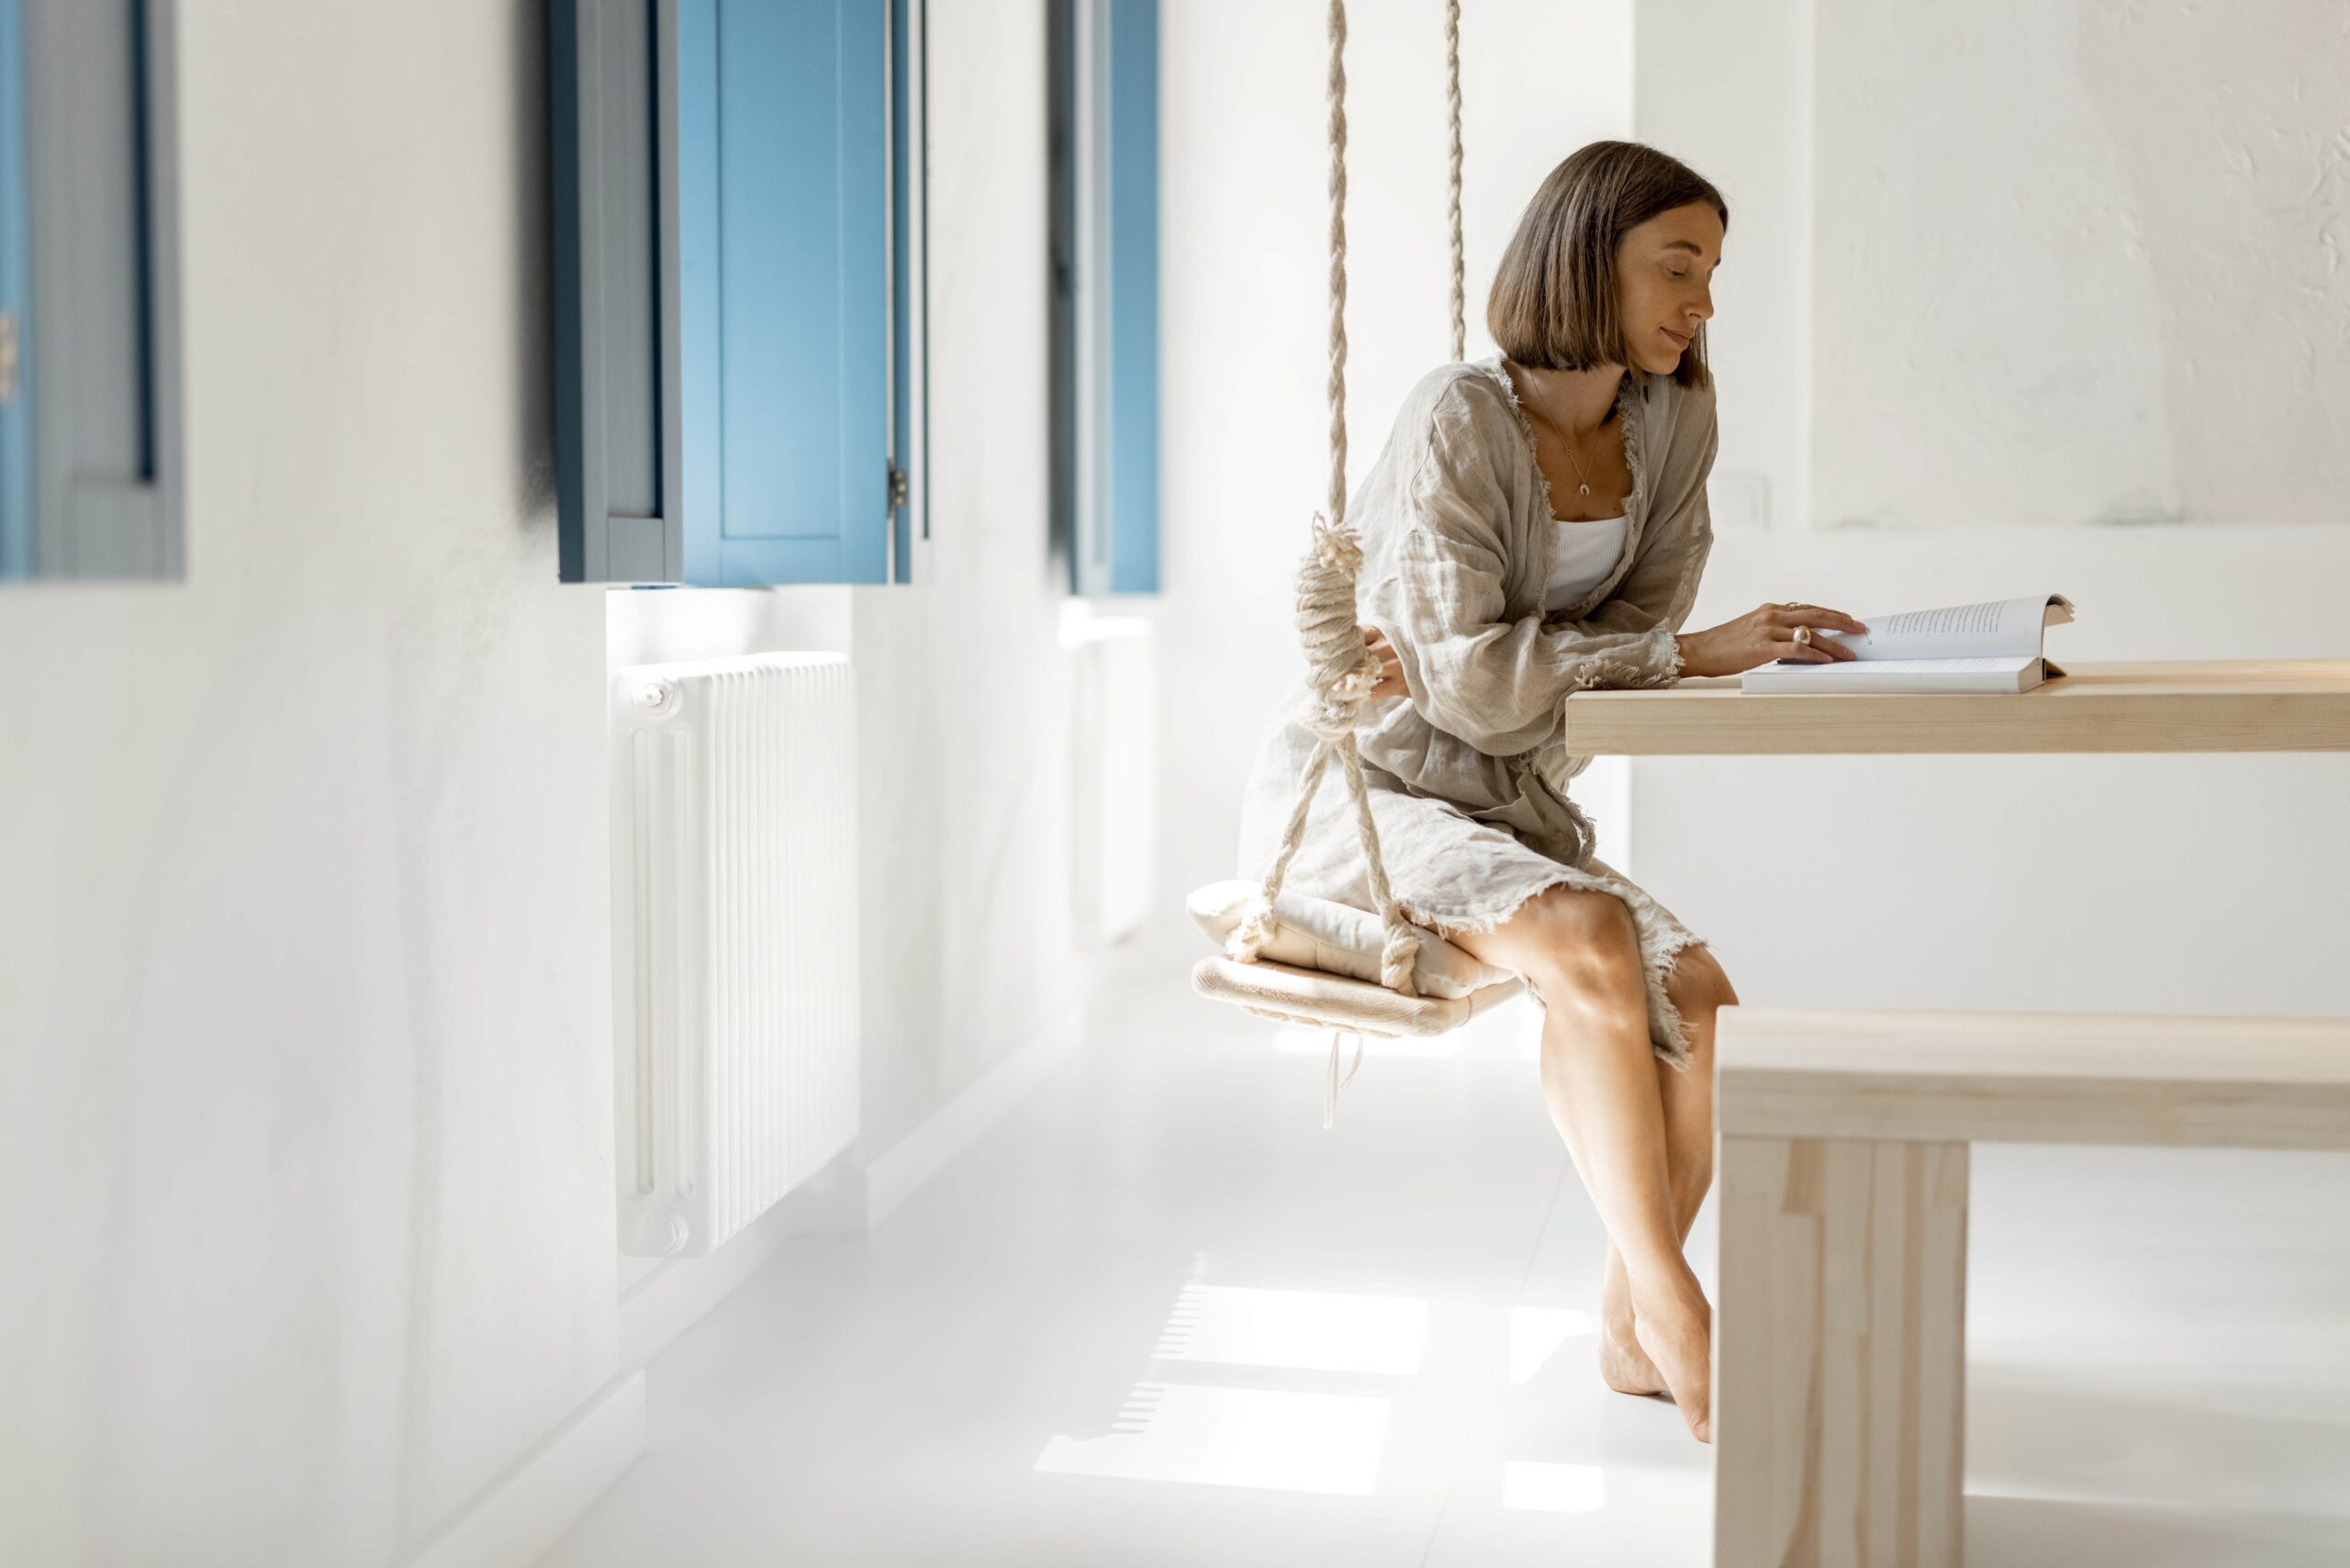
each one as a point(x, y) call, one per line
point(1452, 178)
point(1340, 669)
point(1335, 508)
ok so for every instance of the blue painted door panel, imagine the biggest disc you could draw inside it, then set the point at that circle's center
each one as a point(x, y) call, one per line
point(785, 267)
point(722, 281)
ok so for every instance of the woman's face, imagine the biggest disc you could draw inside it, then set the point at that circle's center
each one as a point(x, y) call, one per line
point(1664, 271)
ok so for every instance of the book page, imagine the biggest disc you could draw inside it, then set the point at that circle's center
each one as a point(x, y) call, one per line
point(2006, 628)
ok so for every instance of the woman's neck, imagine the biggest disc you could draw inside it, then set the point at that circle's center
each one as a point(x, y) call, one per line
point(1576, 402)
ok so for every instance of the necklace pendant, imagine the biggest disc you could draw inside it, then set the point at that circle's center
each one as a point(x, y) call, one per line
point(1584, 490)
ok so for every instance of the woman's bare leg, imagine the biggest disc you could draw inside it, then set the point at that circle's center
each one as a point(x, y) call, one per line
point(1600, 1081)
point(1698, 989)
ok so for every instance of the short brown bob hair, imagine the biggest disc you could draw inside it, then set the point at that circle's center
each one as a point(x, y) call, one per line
point(1553, 305)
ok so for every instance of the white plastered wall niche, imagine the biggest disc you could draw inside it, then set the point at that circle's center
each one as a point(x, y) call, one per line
point(2081, 263)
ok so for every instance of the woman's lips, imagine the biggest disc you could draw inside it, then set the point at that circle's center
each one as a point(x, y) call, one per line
point(1679, 342)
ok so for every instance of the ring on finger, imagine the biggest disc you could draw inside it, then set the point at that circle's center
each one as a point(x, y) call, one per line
point(1803, 636)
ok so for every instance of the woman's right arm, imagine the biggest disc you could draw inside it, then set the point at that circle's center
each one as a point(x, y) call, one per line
point(1764, 634)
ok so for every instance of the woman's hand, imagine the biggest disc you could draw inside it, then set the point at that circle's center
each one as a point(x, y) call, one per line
point(1760, 636)
point(1391, 668)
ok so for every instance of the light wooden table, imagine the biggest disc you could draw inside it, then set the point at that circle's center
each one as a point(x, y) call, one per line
point(1820, 1458)
point(2231, 705)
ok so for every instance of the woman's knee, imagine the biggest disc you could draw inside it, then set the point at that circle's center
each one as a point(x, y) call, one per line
point(1586, 949)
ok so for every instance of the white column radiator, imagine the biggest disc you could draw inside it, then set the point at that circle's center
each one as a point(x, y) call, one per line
point(735, 941)
point(1114, 751)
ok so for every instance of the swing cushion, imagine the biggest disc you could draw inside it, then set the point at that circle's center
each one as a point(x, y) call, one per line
point(1341, 940)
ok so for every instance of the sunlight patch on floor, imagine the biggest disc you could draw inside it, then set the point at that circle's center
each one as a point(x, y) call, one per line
point(1314, 1330)
point(1235, 1436)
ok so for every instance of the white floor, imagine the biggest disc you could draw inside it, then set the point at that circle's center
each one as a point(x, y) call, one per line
point(1158, 1315)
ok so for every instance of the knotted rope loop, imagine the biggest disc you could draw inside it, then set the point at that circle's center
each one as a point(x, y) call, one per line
point(1340, 668)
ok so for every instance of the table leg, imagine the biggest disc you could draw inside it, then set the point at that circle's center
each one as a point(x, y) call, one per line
point(1839, 1346)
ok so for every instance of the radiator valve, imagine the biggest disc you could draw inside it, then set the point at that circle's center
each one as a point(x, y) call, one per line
point(657, 696)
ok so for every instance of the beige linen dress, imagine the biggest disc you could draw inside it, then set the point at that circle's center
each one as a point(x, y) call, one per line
point(1468, 777)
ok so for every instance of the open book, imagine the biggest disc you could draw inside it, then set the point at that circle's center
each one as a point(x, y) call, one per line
point(1969, 647)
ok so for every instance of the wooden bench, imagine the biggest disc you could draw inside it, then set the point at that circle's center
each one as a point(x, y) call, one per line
point(1841, 1346)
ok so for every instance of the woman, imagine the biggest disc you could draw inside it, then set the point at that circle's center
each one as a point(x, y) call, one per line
point(1535, 527)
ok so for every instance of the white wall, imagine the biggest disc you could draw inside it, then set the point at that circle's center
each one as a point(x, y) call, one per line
point(1242, 311)
point(2165, 883)
point(302, 963)
point(305, 1121)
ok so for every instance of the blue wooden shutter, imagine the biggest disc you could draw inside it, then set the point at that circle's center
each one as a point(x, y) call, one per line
point(722, 260)
point(906, 279)
point(613, 133)
point(89, 445)
point(1106, 409)
point(1130, 347)
point(16, 373)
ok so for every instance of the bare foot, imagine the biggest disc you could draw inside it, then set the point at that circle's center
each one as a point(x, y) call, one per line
point(1674, 1325)
point(1625, 1367)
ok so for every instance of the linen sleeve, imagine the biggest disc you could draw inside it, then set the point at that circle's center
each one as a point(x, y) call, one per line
point(1496, 683)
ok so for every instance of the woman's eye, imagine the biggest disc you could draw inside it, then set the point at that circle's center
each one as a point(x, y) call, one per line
point(1670, 272)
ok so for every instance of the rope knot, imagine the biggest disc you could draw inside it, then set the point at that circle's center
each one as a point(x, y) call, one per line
point(1335, 549)
point(1340, 667)
point(1256, 928)
point(1396, 960)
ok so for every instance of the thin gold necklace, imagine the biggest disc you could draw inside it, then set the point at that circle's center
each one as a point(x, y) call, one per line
point(1583, 485)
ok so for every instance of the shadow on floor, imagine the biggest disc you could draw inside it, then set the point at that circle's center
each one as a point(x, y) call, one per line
point(2195, 1449)
point(2038, 1532)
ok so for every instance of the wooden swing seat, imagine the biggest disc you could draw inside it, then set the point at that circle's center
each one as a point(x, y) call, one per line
point(1323, 1000)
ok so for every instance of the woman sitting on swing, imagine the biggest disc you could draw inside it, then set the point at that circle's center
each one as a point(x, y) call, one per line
point(1535, 526)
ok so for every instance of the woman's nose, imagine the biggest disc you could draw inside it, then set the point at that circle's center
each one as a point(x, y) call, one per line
point(1703, 307)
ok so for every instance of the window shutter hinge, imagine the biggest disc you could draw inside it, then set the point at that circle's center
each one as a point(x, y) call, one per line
point(902, 488)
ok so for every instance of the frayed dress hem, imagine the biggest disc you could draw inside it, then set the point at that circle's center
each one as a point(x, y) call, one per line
point(1662, 937)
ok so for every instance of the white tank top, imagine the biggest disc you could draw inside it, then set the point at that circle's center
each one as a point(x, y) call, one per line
point(1586, 554)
